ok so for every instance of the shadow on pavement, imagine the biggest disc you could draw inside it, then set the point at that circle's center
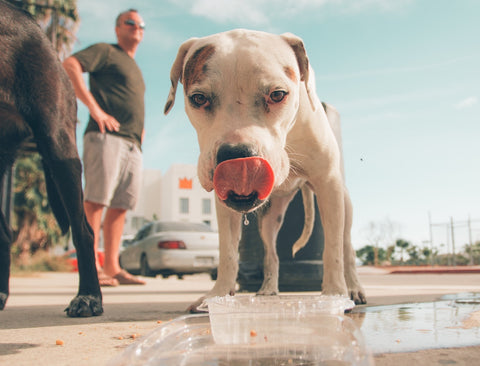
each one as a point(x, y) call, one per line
point(22, 317)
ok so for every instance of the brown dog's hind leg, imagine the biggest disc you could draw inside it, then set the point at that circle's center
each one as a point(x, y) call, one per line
point(12, 133)
point(355, 289)
point(269, 225)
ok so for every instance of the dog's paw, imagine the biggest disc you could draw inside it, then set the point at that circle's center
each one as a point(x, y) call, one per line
point(267, 291)
point(84, 306)
point(331, 288)
point(358, 296)
point(3, 300)
point(269, 286)
point(197, 307)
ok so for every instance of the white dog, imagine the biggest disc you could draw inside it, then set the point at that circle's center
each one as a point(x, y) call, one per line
point(264, 134)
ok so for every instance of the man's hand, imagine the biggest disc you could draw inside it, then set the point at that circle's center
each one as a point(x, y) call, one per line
point(104, 121)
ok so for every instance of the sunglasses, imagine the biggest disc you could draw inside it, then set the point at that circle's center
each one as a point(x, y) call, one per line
point(133, 23)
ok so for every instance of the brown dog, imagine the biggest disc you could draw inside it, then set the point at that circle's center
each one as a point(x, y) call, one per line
point(264, 134)
point(37, 99)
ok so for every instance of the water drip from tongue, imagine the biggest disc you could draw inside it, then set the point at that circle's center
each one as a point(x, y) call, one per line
point(243, 177)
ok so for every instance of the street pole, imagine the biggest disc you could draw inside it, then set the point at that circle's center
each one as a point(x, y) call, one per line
point(447, 232)
point(470, 240)
point(453, 241)
point(431, 238)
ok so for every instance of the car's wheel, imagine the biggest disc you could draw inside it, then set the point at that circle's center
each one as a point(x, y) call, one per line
point(145, 268)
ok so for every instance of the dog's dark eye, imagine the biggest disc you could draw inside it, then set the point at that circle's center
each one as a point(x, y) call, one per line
point(198, 100)
point(277, 96)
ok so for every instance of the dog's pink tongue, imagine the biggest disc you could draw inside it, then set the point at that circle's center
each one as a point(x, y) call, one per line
point(243, 177)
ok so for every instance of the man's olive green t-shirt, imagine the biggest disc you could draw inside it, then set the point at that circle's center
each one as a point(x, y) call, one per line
point(117, 85)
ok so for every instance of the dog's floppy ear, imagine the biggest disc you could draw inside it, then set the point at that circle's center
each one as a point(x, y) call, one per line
point(306, 73)
point(176, 73)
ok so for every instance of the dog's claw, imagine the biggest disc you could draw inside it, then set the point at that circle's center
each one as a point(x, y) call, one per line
point(84, 306)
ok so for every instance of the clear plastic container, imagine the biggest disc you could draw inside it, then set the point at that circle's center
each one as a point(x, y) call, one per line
point(320, 339)
point(272, 319)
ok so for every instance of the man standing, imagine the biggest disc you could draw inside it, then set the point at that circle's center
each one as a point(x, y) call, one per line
point(112, 142)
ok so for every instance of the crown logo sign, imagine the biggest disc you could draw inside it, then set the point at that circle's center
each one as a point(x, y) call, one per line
point(185, 183)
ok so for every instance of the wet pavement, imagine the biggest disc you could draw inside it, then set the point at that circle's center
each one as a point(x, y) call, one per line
point(422, 319)
point(453, 321)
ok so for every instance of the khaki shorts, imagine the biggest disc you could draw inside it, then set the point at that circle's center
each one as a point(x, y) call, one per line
point(113, 170)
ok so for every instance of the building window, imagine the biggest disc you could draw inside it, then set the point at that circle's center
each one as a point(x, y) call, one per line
point(206, 206)
point(184, 206)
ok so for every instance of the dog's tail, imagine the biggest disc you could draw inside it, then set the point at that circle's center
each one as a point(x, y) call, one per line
point(309, 207)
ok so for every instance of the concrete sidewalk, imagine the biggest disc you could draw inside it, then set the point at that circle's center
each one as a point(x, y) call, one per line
point(431, 269)
point(34, 321)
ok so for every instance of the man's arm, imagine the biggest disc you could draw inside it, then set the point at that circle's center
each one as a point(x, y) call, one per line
point(74, 71)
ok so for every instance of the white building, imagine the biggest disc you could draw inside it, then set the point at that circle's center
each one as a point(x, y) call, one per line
point(175, 196)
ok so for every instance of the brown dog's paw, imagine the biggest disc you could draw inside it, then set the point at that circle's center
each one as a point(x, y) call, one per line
point(358, 297)
point(198, 307)
point(84, 306)
point(267, 292)
point(269, 287)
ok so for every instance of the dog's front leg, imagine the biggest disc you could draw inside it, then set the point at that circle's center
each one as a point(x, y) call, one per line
point(330, 199)
point(269, 226)
point(229, 231)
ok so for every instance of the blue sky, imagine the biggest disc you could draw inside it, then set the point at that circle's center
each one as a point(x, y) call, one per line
point(404, 75)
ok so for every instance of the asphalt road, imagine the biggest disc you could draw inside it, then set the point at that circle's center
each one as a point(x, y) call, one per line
point(34, 320)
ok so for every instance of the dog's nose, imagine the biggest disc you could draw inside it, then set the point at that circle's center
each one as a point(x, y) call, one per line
point(228, 152)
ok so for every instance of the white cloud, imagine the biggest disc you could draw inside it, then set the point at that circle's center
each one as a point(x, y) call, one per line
point(230, 11)
point(396, 99)
point(466, 103)
point(260, 12)
point(392, 70)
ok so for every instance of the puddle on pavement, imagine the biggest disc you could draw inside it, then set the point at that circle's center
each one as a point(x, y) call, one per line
point(452, 322)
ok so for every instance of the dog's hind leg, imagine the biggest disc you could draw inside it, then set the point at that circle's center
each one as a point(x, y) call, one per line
point(5, 241)
point(63, 178)
point(56, 143)
point(329, 191)
point(355, 289)
point(12, 133)
point(5, 233)
point(270, 224)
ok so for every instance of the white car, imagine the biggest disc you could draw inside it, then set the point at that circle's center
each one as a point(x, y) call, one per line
point(172, 248)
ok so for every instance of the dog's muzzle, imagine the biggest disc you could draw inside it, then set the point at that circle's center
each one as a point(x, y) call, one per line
point(243, 183)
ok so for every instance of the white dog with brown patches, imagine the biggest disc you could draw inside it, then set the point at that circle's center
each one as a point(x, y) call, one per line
point(264, 134)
